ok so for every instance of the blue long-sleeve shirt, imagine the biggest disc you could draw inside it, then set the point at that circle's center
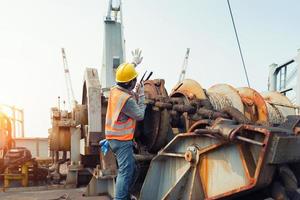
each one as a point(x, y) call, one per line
point(133, 108)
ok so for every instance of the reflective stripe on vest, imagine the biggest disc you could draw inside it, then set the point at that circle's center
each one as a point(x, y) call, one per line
point(115, 129)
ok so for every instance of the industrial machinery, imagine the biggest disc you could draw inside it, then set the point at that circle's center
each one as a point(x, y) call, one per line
point(194, 143)
point(202, 144)
point(232, 142)
point(16, 163)
point(59, 140)
point(80, 130)
point(19, 165)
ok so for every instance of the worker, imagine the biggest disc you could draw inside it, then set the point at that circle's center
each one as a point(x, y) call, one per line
point(124, 108)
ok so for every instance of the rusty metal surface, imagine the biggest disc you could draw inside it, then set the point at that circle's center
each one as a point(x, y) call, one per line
point(236, 115)
point(230, 93)
point(59, 134)
point(210, 114)
point(60, 139)
point(273, 108)
point(201, 124)
point(189, 88)
point(154, 130)
point(195, 104)
point(169, 170)
point(195, 166)
point(223, 170)
point(155, 88)
point(255, 105)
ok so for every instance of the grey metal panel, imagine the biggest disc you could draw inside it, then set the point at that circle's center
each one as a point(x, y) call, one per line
point(200, 142)
point(93, 95)
point(176, 192)
point(75, 145)
point(165, 173)
point(172, 174)
point(99, 186)
point(82, 146)
point(223, 166)
point(37, 146)
point(112, 49)
point(272, 81)
point(255, 149)
point(285, 149)
point(209, 169)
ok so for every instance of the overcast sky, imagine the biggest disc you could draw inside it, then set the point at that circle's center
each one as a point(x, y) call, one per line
point(33, 31)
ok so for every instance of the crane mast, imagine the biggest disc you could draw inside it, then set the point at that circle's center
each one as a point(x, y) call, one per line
point(113, 45)
point(184, 66)
point(70, 91)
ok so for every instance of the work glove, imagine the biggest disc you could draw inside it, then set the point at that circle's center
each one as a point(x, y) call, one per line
point(104, 145)
point(136, 57)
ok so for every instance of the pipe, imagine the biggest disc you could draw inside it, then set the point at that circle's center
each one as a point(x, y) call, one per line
point(216, 133)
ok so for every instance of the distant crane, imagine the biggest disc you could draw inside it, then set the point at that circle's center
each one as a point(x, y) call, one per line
point(184, 65)
point(70, 91)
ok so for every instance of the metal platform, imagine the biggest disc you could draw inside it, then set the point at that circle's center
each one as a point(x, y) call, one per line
point(44, 193)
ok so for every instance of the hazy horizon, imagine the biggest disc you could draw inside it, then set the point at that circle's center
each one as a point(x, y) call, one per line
point(33, 33)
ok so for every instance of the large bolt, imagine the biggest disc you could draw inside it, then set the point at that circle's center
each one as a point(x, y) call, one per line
point(191, 154)
point(188, 156)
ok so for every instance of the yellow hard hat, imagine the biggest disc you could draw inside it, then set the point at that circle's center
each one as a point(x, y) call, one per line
point(125, 73)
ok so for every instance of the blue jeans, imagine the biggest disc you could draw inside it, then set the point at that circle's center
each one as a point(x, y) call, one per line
point(124, 154)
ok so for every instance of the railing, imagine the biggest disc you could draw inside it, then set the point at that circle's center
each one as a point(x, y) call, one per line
point(282, 76)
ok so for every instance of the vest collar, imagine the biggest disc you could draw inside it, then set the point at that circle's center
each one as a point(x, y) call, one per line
point(123, 89)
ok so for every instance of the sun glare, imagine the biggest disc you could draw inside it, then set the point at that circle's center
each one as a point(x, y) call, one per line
point(16, 115)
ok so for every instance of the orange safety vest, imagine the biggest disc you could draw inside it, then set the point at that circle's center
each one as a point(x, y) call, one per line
point(115, 129)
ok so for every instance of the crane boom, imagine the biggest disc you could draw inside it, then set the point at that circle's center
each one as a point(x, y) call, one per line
point(184, 65)
point(70, 91)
